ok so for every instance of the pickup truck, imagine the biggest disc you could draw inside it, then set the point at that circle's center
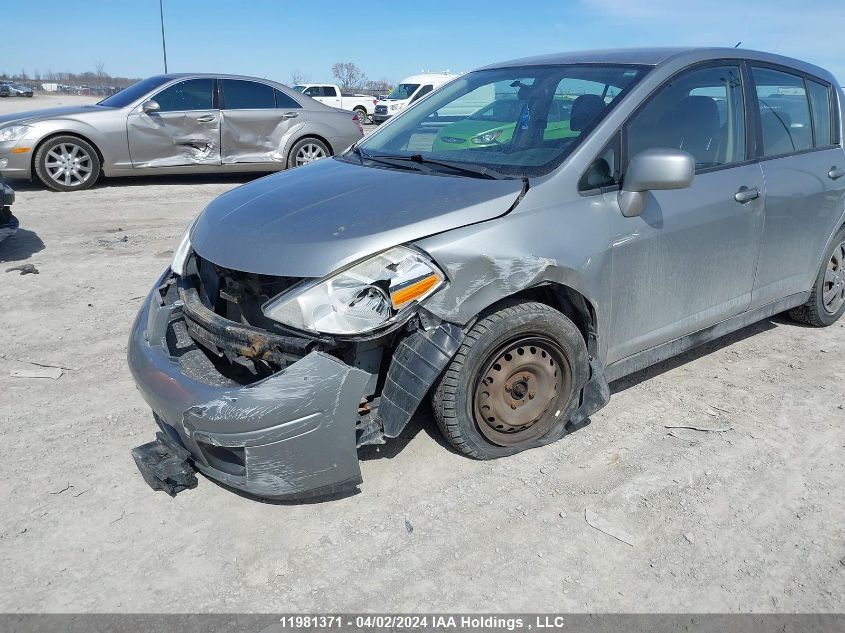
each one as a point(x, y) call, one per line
point(332, 95)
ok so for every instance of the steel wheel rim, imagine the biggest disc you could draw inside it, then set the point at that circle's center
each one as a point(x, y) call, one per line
point(517, 388)
point(69, 164)
point(833, 284)
point(308, 153)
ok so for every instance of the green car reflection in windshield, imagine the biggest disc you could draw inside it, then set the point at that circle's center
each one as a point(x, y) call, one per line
point(495, 123)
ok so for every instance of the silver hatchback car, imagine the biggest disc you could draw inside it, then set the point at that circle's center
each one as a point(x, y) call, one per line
point(509, 245)
point(176, 124)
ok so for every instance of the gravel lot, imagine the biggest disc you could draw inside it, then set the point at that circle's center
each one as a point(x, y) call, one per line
point(749, 519)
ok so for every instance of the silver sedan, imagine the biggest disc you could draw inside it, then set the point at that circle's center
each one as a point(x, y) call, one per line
point(174, 124)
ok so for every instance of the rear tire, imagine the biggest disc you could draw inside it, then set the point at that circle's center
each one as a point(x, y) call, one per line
point(307, 150)
point(514, 382)
point(67, 163)
point(827, 299)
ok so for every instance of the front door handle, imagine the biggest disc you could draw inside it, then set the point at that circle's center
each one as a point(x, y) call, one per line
point(835, 173)
point(290, 115)
point(205, 118)
point(746, 195)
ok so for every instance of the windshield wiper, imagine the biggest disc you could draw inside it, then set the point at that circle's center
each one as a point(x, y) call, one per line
point(463, 168)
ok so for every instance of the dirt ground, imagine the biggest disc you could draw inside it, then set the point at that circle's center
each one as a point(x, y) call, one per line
point(747, 519)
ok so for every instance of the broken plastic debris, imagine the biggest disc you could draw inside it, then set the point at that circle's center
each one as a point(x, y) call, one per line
point(25, 269)
point(47, 372)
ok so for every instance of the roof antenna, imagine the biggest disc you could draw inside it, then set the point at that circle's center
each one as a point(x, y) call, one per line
point(737, 44)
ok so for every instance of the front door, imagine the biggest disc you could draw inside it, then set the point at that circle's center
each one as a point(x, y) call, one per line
point(184, 131)
point(688, 261)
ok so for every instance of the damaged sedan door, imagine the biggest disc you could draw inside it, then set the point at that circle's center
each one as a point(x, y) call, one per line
point(256, 118)
point(178, 126)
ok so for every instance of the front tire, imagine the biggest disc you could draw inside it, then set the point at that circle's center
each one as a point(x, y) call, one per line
point(514, 382)
point(307, 150)
point(827, 300)
point(67, 163)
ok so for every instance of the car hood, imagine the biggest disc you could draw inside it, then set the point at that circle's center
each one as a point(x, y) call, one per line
point(49, 113)
point(310, 221)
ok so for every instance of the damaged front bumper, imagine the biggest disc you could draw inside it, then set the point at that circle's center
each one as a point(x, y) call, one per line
point(290, 435)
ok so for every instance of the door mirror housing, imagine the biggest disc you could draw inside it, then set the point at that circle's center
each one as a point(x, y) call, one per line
point(149, 106)
point(654, 170)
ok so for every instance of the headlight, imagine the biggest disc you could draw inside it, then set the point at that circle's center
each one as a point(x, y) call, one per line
point(362, 298)
point(183, 251)
point(13, 132)
point(486, 138)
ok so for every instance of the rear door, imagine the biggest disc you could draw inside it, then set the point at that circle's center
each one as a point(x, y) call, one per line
point(184, 131)
point(803, 164)
point(688, 261)
point(255, 119)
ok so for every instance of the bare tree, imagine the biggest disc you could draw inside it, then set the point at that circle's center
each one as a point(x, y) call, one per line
point(298, 77)
point(23, 75)
point(100, 66)
point(379, 85)
point(348, 75)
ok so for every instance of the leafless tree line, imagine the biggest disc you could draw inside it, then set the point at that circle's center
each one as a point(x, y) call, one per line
point(349, 76)
point(98, 76)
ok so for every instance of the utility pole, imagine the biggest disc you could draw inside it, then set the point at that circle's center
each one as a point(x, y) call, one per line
point(163, 44)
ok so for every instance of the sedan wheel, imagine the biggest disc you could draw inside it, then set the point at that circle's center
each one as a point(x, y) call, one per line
point(67, 163)
point(308, 153)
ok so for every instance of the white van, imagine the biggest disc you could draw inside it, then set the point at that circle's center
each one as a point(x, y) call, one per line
point(409, 90)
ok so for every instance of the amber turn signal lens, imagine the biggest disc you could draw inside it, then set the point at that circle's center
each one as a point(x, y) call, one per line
point(21, 150)
point(413, 290)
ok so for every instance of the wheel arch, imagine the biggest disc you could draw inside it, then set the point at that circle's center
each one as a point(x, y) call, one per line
point(78, 135)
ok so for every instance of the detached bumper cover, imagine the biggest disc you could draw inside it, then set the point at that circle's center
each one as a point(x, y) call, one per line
point(291, 435)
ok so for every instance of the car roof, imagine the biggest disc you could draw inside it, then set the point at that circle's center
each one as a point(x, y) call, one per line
point(170, 76)
point(429, 77)
point(655, 56)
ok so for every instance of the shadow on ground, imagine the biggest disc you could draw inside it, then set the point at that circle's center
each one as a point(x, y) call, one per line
point(20, 246)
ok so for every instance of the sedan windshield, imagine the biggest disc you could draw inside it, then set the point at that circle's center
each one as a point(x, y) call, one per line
point(134, 92)
point(515, 122)
point(402, 91)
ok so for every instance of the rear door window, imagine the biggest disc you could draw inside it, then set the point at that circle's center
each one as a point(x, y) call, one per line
point(246, 95)
point(820, 106)
point(191, 94)
point(784, 112)
point(329, 91)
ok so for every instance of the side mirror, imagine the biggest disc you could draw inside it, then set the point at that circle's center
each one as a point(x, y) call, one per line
point(654, 170)
point(149, 106)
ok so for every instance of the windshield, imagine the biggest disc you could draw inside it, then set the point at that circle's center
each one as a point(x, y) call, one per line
point(402, 91)
point(298, 88)
point(516, 121)
point(134, 92)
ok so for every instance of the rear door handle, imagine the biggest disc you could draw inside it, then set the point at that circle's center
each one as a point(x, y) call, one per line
point(746, 195)
point(205, 118)
point(290, 115)
point(835, 173)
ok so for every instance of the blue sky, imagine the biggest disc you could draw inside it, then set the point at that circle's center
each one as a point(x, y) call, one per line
point(273, 38)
